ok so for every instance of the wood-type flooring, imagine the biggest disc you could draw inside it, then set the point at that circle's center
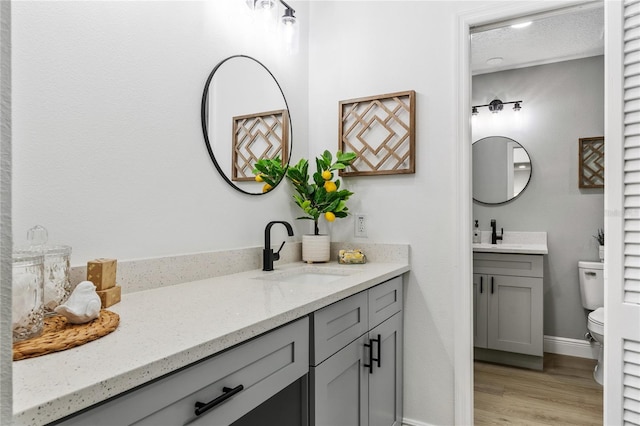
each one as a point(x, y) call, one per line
point(563, 394)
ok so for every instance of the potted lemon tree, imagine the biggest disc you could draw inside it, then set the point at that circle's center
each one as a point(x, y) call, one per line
point(318, 195)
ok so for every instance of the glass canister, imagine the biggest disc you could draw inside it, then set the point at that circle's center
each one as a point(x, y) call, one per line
point(57, 285)
point(27, 295)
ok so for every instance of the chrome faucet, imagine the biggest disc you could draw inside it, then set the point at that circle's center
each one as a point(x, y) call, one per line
point(494, 236)
point(268, 256)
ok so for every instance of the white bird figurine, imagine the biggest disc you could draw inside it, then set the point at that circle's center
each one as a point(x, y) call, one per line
point(83, 304)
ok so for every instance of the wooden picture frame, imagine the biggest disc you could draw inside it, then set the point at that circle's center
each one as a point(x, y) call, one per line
point(381, 131)
point(591, 162)
point(257, 136)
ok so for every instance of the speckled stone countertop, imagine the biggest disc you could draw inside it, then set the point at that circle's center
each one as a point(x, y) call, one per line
point(514, 242)
point(170, 327)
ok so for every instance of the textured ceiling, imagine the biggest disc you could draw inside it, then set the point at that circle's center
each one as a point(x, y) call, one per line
point(555, 38)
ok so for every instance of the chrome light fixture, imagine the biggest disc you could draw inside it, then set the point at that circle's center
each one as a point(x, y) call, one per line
point(496, 105)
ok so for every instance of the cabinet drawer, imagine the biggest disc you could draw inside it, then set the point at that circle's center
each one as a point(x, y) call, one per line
point(384, 301)
point(337, 325)
point(263, 367)
point(520, 265)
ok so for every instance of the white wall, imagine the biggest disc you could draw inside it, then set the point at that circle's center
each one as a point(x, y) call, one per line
point(108, 150)
point(562, 102)
point(363, 49)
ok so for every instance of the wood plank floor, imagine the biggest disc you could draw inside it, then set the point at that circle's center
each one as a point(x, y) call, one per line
point(563, 394)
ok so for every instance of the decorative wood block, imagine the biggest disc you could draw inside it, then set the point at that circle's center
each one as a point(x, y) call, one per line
point(591, 166)
point(381, 131)
point(102, 273)
point(257, 136)
point(110, 296)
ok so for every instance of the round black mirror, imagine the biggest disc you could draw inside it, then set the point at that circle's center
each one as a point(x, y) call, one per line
point(245, 118)
point(501, 170)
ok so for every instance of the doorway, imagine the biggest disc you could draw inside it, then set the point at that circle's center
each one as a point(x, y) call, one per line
point(495, 18)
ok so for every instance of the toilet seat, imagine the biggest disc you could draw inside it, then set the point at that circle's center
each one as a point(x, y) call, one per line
point(595, 322)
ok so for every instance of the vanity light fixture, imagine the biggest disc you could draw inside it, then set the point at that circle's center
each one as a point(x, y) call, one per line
point(288, 23)
point(496, 105)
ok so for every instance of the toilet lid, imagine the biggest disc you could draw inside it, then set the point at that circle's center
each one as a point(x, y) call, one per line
point(597, 316)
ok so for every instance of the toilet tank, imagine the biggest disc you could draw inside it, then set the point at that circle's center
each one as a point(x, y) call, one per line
point(591, 284)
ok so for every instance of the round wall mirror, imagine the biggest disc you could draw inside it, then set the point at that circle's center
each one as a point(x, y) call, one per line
point(245, 118)
point(501, 170)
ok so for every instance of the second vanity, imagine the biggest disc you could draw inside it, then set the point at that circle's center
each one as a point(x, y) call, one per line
point(508, 300)
point(234, 348)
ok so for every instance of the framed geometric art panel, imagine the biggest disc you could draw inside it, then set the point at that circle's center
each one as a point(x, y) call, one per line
point(257, 136)
point(381, 131)
point(591, 167)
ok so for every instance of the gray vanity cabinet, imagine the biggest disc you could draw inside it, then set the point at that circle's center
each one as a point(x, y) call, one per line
point(508, 303)
point(232, 383)
point(358, 381)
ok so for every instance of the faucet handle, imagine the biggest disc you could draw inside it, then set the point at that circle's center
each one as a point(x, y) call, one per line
point(276, 255)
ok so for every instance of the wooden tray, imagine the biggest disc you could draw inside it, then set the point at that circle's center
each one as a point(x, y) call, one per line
point(59, 335)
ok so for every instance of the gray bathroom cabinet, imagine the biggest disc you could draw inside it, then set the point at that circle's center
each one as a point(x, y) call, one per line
point(508, 308)
point(356, 359)
point(218, 390)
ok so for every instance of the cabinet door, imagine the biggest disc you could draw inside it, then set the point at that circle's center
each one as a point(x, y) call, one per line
point(385, 381)
point(339, 387)
point(480, 304)
point(515, 314)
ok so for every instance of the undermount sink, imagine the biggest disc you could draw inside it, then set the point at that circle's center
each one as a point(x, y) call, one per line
point(308, 275)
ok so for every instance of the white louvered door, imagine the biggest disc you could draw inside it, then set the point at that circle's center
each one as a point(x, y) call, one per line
point(622, 214)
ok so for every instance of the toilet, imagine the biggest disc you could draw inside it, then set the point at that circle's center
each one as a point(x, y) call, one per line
point(592, 294)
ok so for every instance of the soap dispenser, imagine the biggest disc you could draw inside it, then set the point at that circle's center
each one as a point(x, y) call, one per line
point(476, 234)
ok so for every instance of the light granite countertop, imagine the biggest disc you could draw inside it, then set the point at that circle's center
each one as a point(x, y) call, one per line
point(170, 327)
point(514, 242)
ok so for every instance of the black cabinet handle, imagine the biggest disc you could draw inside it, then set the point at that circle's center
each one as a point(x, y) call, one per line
point(379, 341)
point(480, 285)
point(202, 407)
point(370, 365)
point(371, 358)
point(491, 285)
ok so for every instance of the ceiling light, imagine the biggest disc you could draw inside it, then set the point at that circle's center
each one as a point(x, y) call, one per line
point(495, 61)
point(496, 105)
point(521, 25)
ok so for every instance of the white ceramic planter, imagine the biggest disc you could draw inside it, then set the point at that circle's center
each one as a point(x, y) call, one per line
point(601, 253)
point(316, 248)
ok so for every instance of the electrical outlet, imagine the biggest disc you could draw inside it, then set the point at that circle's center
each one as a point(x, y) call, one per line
point(361, 226)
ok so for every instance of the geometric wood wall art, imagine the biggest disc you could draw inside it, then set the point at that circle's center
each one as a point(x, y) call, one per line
point(258, 136)
point(380, 130)
point(591, 166)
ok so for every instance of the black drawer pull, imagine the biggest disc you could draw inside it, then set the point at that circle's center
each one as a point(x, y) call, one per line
point(480, 285)
point(491, 285)
point(202, 407)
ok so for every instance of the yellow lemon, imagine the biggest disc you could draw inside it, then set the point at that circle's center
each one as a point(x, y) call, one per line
point(330, 216)
point(330, 186)
point(259, 178)
point(266, 187)
point(326, 175)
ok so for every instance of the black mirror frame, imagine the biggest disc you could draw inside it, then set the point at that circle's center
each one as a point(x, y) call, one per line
point(523, 188)
point(204, 120)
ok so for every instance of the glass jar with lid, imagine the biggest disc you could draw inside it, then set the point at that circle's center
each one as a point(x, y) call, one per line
point(57, 285)
point(27, 295)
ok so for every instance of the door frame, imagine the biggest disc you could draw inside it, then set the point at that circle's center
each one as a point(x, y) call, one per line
point(463, 302)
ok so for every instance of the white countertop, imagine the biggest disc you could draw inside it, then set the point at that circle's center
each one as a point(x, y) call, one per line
point(167, 328)
point(514, 242)
point(510, 248)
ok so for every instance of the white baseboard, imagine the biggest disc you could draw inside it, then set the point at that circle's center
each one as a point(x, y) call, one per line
point(411, 422)
point(572, 347)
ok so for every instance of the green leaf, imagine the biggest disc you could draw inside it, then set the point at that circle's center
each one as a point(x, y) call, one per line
point(338, 166)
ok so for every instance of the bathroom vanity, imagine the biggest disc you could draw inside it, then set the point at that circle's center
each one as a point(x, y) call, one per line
point(508, 302)
point(237, 349)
